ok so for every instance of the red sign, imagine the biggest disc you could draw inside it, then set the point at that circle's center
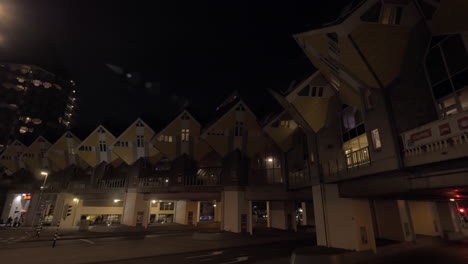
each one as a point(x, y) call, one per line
point(444, 129)
point(421, 135)
point(23, 211)
point(463, 123)
point(27, 197)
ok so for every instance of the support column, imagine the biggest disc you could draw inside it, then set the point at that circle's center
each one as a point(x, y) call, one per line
point(250, 218)
point(282, 215)
point(134, 208)
point(307, 214)
point(235, 210)
point(181, 212)
point(268, 214)
point(342, 222)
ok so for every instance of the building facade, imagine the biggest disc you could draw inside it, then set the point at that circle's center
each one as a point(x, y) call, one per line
point(373, 145)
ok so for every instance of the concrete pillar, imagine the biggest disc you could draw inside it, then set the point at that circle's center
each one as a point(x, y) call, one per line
point(181, 212)
point(406, 220)
point(342, 222)
point(250, 218)
point(307, 213)
point(218, 211)
point(134, 206)
point(192, 214)
point(8, 204)
point(280, 215)
point(268, 214)
point(425, 218)
point(235, 210)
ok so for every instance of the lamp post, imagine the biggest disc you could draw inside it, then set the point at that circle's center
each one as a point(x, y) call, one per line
point(39, 228)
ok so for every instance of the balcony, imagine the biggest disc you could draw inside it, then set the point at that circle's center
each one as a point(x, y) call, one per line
point(440, 140)
point(349, 165)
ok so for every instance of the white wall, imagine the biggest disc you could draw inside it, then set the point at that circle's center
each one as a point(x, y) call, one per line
point(342, 222)
point(181, 212)
point(425, 219)
point(234, 204)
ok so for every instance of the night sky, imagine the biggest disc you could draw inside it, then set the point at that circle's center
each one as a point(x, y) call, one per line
point(178, 54)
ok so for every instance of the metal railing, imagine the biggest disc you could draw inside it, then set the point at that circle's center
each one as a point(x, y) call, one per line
point(351, 161)
point(153, 182)
point(208, 176)
point(111, 184)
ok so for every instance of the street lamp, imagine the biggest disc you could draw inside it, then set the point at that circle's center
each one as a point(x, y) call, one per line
point(38, 230)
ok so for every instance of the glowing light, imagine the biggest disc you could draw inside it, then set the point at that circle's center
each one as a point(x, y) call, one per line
point(461, 210)
point(167, 180)
point(214, 205)
point(270, 160)
point(154, 201)
point(452, 200)
point(116, 200)
point(76, 199)
point(44, 173)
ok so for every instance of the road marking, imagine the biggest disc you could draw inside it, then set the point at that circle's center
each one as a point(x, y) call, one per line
point(205, 260)
point(239, 259)
point(89, 241)
point(209, 255)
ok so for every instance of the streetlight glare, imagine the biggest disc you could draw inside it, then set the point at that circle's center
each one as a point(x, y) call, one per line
point(44, 173)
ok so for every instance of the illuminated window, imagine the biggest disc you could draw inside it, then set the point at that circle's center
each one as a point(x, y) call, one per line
point(185, 134)
point(166, 206)
point(168, 139)
point(376, 139)
point(391, 15)
point(284, 123)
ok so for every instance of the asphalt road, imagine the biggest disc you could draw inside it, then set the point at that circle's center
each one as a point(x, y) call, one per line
point(278, 252)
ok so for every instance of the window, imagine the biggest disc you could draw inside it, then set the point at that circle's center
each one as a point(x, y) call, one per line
point(391, 15)
point(320, 91)
point(240, 108)
point(166, 206)
point(304, 92)
point(42, 153)
point(464, 100)
point(284, 123)
point(185, 134)
point(140, 143)
point(164, 138)
point(185, 117)
point(376, 139)
point(85, 148)
point(139, 124)
point(238, 129)
point(102, 146)
point(314, 91)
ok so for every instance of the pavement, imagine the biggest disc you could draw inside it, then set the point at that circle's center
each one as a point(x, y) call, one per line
point(173, 247)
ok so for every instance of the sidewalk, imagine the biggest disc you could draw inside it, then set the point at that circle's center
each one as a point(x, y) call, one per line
point(15, 234)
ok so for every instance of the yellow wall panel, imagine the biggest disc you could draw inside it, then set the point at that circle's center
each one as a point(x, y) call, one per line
point(313, 110)
point(384, 47)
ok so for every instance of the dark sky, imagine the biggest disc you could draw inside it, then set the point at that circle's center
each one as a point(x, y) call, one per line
point(194, 52)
